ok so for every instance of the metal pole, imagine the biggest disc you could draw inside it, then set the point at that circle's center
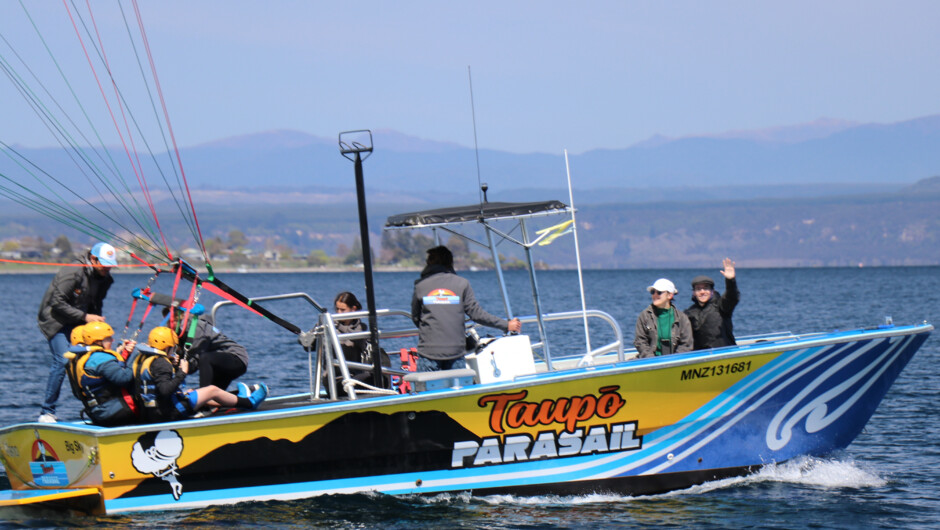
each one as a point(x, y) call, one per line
point(357, 148)
point(535, 295)
point(367, 270)
point(499, 271)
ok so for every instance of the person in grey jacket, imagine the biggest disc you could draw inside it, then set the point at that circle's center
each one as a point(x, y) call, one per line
point(218, 359)
point(75, 297)
point(440, 301)
point(661, 329)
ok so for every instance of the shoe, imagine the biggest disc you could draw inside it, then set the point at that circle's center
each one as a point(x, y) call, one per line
point(47, 418)
point(258, 396)
point(243, 390)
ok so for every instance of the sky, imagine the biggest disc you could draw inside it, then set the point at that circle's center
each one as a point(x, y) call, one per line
point(546, 75)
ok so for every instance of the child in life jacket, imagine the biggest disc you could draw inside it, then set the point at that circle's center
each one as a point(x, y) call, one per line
point(99, 376)
point(159, 374)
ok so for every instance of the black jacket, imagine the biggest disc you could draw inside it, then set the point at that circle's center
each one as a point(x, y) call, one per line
point(73, 293)
point(711, 323)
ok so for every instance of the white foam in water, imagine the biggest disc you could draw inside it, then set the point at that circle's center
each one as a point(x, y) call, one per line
point(826, 473)
point(810, 471)
point(829, 473)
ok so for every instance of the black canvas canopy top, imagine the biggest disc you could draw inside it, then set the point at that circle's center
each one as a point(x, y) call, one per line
point(475, 213)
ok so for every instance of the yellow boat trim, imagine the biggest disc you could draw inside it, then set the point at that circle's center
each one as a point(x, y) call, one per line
point(22, 497)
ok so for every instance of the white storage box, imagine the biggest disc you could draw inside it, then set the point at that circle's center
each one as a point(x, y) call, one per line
point(503, 359)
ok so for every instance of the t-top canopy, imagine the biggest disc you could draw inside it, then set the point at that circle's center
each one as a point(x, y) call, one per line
point(475, 213)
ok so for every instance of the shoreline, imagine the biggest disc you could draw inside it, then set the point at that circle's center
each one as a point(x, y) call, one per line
point(51, 270)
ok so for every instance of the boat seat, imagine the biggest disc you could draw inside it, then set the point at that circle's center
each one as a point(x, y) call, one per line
point(423, 381)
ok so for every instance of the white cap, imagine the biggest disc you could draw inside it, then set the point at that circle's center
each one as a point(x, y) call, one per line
point(105, 253)
point(663, 284)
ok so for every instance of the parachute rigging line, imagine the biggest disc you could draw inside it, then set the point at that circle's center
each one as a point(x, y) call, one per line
point(118, 200)
point(156, 82)
point(136, 167)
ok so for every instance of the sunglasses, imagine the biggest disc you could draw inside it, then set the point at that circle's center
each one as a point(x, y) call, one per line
point(654, 291)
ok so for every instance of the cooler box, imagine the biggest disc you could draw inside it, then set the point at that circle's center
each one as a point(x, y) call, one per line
point(503, 359)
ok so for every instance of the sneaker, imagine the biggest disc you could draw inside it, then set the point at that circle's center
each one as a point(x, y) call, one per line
point(258, 396)
point(47, 418)
point(243, 390)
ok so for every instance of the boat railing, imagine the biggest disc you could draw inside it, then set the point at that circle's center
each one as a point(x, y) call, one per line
point(329, 357)
point(586, 359)
point(328, 346)
point(329, 349)
point(303, 296)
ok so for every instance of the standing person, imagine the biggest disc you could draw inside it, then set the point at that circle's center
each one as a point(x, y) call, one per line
point(75, 297)
point(218, 359)
point(161, 395)
point(440, 301)
point(710, 313)
point(661, 329)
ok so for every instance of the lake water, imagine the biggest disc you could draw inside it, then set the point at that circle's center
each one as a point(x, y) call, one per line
point(888, 477)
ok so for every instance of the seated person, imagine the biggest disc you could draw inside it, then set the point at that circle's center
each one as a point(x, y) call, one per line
point(358, 350)
point(218, 359)
point(159, 384)
point(100, 377)
point(661, 329)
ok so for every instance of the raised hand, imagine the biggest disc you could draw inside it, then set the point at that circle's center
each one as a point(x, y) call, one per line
point(728, 271)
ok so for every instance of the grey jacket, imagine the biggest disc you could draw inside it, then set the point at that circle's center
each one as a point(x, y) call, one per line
point(440, 301)
point(209, 338)
point(73, 293)
point(647, 334)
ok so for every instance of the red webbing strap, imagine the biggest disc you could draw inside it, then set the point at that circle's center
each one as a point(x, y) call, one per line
point(143, 318)
point(129, 399)
point(191, 302)
point(130, 316)
point(146, 292)
point(176, 284)
point(217, 287)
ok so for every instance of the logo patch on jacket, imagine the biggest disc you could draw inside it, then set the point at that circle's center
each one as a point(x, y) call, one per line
point(441, 296)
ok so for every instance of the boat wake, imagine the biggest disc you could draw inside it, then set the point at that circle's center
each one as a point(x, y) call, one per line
point(828, 473)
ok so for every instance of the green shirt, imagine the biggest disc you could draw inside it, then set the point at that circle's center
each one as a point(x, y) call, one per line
point(664, 321)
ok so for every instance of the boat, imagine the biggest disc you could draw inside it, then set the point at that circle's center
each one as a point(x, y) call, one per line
point(523, 419)
point(529, 416)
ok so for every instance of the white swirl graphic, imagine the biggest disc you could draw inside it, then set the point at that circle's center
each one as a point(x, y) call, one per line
point(817, 413)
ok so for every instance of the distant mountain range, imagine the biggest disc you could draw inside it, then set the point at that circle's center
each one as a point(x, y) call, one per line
point(818, 158)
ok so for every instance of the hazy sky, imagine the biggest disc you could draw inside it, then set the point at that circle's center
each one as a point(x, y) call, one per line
point(547, 75)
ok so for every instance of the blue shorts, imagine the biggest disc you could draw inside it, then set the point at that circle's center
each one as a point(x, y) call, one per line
point(185, 402)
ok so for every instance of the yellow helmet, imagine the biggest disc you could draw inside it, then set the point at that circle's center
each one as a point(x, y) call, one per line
point(96, 331)
point(77, 337)
point(162, 338)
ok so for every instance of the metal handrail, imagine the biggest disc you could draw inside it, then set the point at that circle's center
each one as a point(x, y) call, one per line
point(329, 349)
point(617, 345)
point(304, 296)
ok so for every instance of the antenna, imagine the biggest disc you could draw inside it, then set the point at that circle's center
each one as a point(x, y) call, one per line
point(476, 148)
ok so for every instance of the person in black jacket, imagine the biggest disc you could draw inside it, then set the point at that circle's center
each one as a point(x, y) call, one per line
point(75, 297)
point(710, 312)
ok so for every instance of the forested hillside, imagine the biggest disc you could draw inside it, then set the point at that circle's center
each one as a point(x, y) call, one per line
point(901, 228)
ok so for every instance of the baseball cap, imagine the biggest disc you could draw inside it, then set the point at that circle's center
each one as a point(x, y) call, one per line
point(105, 253)
point(663, 284)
